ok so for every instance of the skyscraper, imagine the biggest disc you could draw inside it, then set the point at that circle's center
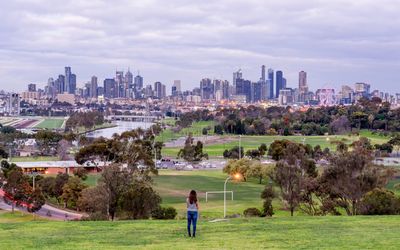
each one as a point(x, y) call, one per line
point(206, 89)
point(271, 83)
point(67, 80)
point(225, 89)
point(60, 84)
point(236, 76)
point(279, 82)
point(303, 87)
point(119, 79)
point(263, 73)
point(32, 87)
point(93, 87)
point(110, 88)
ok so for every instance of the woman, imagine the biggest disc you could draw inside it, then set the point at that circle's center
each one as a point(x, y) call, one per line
point(192, 212)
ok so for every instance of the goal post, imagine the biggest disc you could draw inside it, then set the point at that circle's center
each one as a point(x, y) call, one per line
point(218, 192)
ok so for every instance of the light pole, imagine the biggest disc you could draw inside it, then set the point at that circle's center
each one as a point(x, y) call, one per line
point(236, 176)
point(34, 174)
point(240, 147)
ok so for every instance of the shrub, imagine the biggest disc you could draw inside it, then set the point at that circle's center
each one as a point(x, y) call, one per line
point(252, 212)
point(380, 202)
point(164, 213)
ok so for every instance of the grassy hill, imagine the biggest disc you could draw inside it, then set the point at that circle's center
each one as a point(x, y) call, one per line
point(361, 232)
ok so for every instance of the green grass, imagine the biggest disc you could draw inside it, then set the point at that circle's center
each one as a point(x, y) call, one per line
point(51, 124)
point(31, 158)
point(196, 129)
point(361, 232)
point(253, 142)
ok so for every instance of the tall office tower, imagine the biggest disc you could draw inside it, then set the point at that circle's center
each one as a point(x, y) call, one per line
point(148, 91)
point(32, 87)
point(61, 84)
point(206, 89)
point(93, 87)
point(279, 82)
point(67, 79)
point(159, 90)
point(225, 89)
point(271, 83)
point(236, 75)
point(303, 87)
point(263, 73)
point(264, 90)
point(13, 104)
point(243, 87)
point(129, 90)
point(119, 79)
point(51, 90)
point(110, 88)
point(72, 86)
point(138, 82)
point(256, 91)
point(176, 88)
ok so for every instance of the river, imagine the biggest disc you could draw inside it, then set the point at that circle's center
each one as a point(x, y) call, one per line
point(121, 127)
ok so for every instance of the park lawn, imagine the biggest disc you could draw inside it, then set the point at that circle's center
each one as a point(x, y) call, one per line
point(174, 186)
point(196, 129)
point(253, 142)
point(329, 232)
point(34, 158)
point(50, 124)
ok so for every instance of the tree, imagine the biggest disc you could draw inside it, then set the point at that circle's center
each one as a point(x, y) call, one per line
point(268, 195)
point(94, 200)
point(59, 182)
point(233, 153)
point(116, 182)
point(72, 191)
point(62, 150)
point(351, 175)
point(259, 170)
point(3, 153)
point(241, 166)
point(140, 200)
point(191, 152)
point(81, 173)
point(380, 202)
point(290, 172)
point(47, 141)
point(276, 149)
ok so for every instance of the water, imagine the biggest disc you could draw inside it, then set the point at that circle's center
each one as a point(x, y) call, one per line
point(121, 127)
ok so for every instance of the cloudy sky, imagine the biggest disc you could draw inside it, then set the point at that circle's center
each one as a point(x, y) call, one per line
point(337, 42)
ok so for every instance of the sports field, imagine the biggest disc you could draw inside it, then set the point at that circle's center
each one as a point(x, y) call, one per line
point(50, 123)
point(330, 232)
point(29, 122)
point(253, 142)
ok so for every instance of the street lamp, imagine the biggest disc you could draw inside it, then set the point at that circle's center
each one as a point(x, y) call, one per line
point(240, 147)
point(34, 174)
point(236, 176)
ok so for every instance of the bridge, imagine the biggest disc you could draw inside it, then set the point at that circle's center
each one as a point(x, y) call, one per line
point(133, 118)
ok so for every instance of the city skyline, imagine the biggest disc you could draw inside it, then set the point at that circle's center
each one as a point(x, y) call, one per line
point(190, 42)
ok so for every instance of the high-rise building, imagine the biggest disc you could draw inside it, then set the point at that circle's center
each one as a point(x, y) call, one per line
point(206, 89)
point(263, 73)
point(32, 87)
point(119, 79)
point(159, 90)
point(279, 82)
point(303, 87)
point(176, 88)
point(138, 82)
point(236, 76)
point(286, 96)
point(93, 87)
point(256, 91)
point(225, 90)
point(243, 87)
point(110, 88)
point(271, 83)
point(60, 83)
point(72, 86)
point(67, 79)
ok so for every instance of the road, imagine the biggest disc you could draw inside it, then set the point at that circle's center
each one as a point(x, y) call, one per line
point(46, 211)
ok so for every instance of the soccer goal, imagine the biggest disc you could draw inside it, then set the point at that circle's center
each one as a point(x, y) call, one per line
point(218, 192)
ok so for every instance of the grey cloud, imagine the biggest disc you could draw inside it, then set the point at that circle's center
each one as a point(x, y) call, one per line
point(335, 41)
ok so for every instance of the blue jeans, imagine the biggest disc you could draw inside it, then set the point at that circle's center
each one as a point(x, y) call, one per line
point(191, 218)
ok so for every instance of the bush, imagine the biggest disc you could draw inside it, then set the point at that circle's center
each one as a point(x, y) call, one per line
point(252, 212)
point(164, 213)
point(380, 202)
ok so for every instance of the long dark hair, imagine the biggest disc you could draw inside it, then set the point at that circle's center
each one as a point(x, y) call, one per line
point(192, 197)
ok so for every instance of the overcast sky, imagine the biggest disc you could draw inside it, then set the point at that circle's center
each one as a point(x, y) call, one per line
point(337, 42)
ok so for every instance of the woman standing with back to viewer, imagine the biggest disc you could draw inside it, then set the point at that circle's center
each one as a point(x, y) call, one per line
point(192, 212)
